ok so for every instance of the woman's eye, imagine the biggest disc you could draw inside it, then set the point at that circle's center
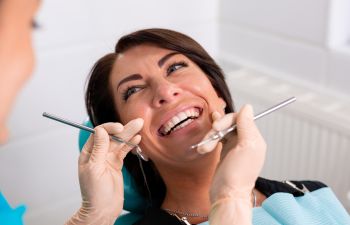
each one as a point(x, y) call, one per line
point(130, 91)
point(175, 66)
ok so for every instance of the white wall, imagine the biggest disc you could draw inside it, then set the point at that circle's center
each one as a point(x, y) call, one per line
point(305, 43)
point(294, 40)
point(38, 166)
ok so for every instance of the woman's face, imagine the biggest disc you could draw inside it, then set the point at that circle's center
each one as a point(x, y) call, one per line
point(173, 96)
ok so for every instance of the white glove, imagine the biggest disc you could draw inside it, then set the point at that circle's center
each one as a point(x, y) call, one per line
point(100, 175)
point(243, 157)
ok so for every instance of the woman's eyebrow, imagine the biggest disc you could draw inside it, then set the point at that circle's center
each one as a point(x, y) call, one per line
point(165, 58)
point(129, 78)
point(139, 77)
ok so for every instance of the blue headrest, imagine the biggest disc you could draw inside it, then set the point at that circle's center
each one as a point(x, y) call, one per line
point(133, 201)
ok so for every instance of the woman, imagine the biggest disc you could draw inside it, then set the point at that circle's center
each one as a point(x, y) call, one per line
point(171, 83)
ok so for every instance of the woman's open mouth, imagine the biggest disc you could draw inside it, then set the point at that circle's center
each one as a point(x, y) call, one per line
point(180, 120)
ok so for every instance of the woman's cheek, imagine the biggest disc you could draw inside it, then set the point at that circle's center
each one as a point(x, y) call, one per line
point(135, 110)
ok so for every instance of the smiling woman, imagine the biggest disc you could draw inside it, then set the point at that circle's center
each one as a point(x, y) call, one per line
point(161, 76)
point(166, 89)
point(176, 42)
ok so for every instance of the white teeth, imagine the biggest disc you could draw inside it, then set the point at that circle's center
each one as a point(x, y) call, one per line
point(188, 113)
point(193, 112)
point(175, 120)
point(183, 124)
point(169, 125)
point(182, 116)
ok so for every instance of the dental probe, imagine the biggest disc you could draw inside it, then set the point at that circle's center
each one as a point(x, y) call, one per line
point(89, 129)
point(220, 134)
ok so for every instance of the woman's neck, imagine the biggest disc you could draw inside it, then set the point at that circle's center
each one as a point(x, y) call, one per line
point(187, 189)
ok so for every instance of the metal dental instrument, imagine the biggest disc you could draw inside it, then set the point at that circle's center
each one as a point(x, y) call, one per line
point(114, 138)
point(220, 134)
point(89, 129)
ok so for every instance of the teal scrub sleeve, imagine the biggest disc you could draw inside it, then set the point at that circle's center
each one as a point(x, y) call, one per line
point(9, 216)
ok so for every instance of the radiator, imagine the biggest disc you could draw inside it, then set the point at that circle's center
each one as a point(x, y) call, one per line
point(309, 139)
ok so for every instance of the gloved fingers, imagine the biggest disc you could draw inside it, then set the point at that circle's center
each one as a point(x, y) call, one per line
point(225, 122)
point(125, 149)
point(113, 128)
point(85, 154)
point(131, 129)
point(242, 158)
point(101, 145)
point(87, 149)
point(97, 148)
point(135, 140)
point(215, 116)
point(219, 123)
point(210, 146)
point(126, 132)
point(117, 157)
point(247, 130)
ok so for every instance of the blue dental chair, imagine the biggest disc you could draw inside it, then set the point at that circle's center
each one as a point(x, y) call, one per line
point(134, 203)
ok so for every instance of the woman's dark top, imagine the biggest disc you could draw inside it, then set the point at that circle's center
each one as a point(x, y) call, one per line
point(157, 216)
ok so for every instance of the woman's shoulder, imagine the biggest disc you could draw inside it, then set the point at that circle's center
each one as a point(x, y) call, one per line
point(297, 188)
point(154, 216)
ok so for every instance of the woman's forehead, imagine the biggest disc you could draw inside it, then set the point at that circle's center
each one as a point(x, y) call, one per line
point(141, 56)
point(143, 51)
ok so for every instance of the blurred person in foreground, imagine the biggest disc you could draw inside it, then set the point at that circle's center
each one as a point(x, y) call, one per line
point(16, 63)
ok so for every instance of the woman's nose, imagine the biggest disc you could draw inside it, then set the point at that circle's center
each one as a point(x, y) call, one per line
point(165, 92)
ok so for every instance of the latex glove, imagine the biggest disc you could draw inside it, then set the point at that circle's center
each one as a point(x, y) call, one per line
point(243, 156)
point(100, 175)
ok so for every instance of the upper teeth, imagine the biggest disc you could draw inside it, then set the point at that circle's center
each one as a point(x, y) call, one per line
point(191, 113)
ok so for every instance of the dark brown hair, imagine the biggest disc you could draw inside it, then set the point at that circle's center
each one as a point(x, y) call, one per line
point(100, 102)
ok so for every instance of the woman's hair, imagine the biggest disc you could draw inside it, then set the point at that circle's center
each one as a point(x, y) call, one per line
point(99, 97)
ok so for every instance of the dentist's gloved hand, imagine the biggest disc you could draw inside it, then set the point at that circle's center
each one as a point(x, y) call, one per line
point(100, 175)
point(242, 158)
